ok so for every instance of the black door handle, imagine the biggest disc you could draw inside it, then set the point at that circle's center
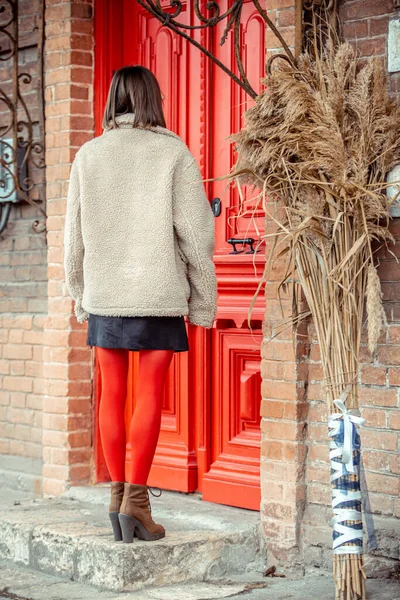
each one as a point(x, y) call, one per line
point(216, 206)
point(244, 241)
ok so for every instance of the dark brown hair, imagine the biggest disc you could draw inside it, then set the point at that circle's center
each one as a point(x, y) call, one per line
point(134, 89)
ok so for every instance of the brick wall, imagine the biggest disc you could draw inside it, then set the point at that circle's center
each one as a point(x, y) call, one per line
point(283, 407)
point(67, 379)
point(296, 507)
point(23, 291)
point(364, 24)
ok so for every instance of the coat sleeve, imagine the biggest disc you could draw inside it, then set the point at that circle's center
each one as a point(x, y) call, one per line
point(73, 244)
point(194, 226)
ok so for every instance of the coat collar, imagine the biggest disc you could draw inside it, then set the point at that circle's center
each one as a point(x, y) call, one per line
point(126, 122)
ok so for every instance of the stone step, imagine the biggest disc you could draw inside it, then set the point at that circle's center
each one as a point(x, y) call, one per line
point(71, 537)
point(22, 583)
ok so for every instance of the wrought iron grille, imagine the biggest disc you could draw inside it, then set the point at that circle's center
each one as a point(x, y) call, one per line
point(320, 24)
point(209, 15)
point(21, 137)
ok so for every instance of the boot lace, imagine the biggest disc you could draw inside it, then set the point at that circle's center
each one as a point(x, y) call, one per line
point(151, 490)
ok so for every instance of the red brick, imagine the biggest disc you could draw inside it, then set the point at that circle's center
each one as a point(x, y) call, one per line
point(395, 420)
point(280, 391)
point(53, 61)
point(80, 389)
point(80, 58)
point(272, 4)
point(55, 28)
point(375, 461)
point(287, 17)
point(373, 375)
point(60, 472)
point(366, 8)
point(60, 12)
point(374, 417)
point(394, 463)
point(83, 26)
point(394, 335)
point(79, 405)
point(394, 377)
point(80, 456)
point(53, 44)
point(271, 449)
point(53, 487)
point(80, 473)
point(355, 30)
point(372, 47)
point(79, 92)
point(379, 440)
point(280, 430)
point(82, 75)
point(318, 474)
point(77, 138)
point(81, 123)
point(378, 26)
point(377, 483)
point(17, 367)
point(272, 408)
point(79, 439)
point(315, 392)
point(378, 396)
point(319, 494)
point(81, 107)
point(23, 322)
point(295, 411)
point(278, 351)
point(317, 432)
point(290, 450)
point(81, 11)
point(315, 353)
point(389, 270)
point(18, 351)
point(58, 439)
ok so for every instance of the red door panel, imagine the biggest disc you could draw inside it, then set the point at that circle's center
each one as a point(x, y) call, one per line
point(234, 476)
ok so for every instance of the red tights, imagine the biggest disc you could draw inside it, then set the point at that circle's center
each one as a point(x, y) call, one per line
point(146, 420)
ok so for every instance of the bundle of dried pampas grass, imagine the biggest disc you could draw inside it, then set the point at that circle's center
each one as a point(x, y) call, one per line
point(321, 139)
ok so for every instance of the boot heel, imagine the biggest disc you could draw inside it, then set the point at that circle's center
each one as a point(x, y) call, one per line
point(128, 525)
point(115, 526)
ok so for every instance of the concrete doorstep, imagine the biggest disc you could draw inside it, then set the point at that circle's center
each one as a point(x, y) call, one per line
point(63, 549)
point(71, 537)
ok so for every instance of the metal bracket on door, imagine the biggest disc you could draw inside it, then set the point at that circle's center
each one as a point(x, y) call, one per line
point(244, 241)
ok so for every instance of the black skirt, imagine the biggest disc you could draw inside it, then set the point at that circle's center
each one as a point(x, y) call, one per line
point(138, 333)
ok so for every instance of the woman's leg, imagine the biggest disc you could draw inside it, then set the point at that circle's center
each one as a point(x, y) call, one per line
point(114, 365)
point(146, 420)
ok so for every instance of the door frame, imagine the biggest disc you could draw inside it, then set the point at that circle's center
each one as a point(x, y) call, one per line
point(194, 461)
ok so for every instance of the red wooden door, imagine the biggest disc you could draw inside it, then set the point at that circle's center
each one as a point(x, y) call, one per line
point(210, 437)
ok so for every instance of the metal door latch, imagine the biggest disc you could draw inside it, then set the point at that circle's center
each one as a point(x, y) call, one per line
point(216, 206)
point(244, 241)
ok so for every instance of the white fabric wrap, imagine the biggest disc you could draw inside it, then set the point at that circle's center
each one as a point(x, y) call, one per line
point(351, 419)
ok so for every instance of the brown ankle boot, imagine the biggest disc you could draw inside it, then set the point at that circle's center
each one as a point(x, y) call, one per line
point(117, 493)
point(135, 515)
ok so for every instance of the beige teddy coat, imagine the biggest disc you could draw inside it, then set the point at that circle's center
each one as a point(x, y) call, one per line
point(139, 229)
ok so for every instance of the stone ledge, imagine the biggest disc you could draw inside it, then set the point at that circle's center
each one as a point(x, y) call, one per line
point(73, 539)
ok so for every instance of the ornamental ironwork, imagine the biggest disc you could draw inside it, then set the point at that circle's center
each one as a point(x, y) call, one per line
point(21, 137)
point(320, 24)
point(209, 16)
